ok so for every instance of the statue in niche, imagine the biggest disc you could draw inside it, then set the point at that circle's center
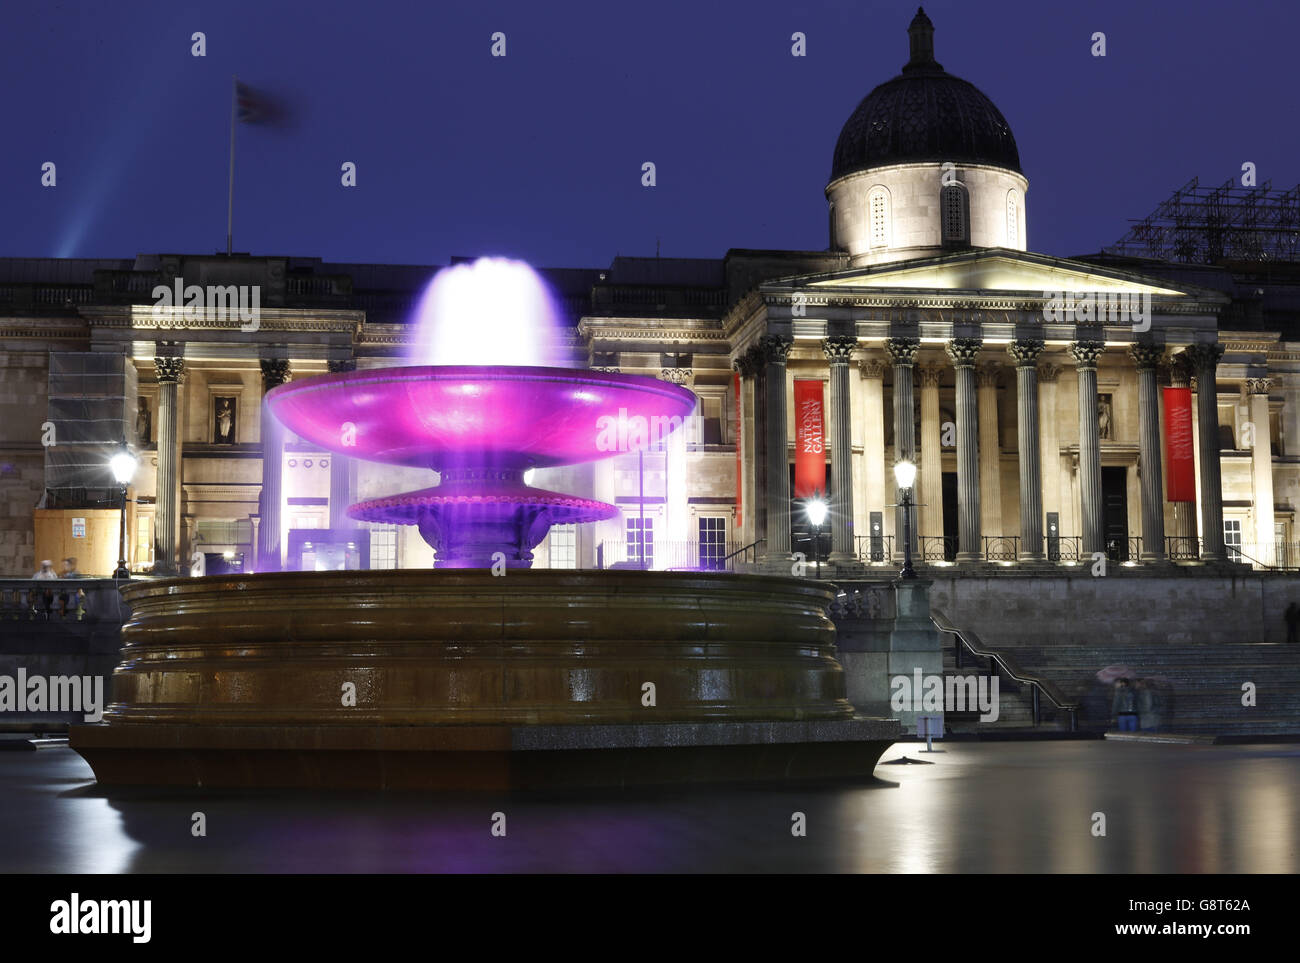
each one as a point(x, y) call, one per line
point(223, 420)
point(143, 422)
point(1105, 417)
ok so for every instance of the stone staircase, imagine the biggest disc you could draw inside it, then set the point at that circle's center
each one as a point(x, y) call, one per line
point(1198, 686)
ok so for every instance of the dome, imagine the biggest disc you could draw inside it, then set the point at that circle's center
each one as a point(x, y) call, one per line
point(924, 114)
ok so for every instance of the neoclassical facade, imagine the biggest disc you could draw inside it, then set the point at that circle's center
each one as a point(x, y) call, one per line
point(1038, 396)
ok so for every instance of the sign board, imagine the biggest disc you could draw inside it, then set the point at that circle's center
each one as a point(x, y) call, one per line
point(78, 528)
point(929, 727)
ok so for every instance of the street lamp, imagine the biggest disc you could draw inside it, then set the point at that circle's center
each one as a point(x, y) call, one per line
point(123, 465)
point(816, 512)
point(905, 475)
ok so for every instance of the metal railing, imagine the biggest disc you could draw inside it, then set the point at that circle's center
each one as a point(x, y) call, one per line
point(745, 555)
point(1001, 548)
point(937, 548)
point(670, 555)
point(874, 548)
point(966, 640)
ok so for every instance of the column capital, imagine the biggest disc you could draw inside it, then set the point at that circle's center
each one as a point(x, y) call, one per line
point(170, 370)
point(1180, 371)
point(743, 364)
point(1145, 355)
point(1204, 357)
point(930, 374)
point(275, 372)
point(342, 365)
point(678, 376)
point(872, 367)
point(774, 348)
point(1025, 351)
point(1086, 353)
point(963, 351)
point(986, 374)
point(838, 348)
point(1258, 386)
point(1049, 372)
point(902, 350)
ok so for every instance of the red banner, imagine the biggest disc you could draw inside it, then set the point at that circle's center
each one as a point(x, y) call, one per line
point(809, 440)
point(1180, 472)
point(740, 465)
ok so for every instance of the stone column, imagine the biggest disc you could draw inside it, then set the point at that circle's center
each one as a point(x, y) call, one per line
point(1147, 357)
point(167, 518)
point(1184, 526)
point(902, 353)
point(963, 352)
point(275, 372)
point(1085, 355)
point(1205, 362)
point(677, 520)
point(1262, 466)
point(343, 471)
point(777, 470)
point(1025, 354)
point(837, 350)
point(745, 445)
point(986, 381)
point(873, 436)
point(930, 473)
point(1049, 430)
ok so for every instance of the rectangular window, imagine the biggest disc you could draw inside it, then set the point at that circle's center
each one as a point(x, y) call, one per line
point(641, 540)
point(143, 539)
point(563, 546)
point(713, 543)
point(383, 546)
point(1232, 538)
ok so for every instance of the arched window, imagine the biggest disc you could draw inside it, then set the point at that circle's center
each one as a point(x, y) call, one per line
point(1013, 219)
point(956, 222)
point(878, 217)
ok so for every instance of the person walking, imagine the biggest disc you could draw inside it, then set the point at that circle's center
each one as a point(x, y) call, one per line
point(46, 596)
point(1124, 705)
point(70, 598)
point(1292, 622)
point(1148, 704)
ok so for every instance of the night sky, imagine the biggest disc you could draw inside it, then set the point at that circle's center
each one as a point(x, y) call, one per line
point(538, 154)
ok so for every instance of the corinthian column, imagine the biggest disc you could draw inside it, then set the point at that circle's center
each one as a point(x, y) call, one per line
point(902, 353)
point(930, 473)
point(171, 370)
point(837, 350)
point(1205, 363)
point(872, 370)
point(775, 348)
point(963, 352)
point(1183, 522)
point(1147, 357)
point(275, 372)
point(1085, 354)
point(1025, 354)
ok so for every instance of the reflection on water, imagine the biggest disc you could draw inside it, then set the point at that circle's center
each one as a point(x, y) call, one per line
point(992, 807)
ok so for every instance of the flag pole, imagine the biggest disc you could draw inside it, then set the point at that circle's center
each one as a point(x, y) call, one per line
point(230, 196)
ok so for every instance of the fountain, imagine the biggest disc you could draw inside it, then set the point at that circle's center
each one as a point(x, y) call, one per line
point(483, 673)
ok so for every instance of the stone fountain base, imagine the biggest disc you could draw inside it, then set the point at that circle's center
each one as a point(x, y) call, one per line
point(462, 679)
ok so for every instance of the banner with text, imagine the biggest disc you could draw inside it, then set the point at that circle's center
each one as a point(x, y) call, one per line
point(1180, 477)
point(809, 439)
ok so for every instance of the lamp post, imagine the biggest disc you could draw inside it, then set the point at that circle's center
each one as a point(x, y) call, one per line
point(815, 509)
point(123, 465)
point(905, 475)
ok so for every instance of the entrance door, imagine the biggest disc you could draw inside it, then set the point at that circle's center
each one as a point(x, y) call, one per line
point(1114, 512)
point(950, 529)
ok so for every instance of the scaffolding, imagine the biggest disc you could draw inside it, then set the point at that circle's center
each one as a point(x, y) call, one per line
point(1213, 225)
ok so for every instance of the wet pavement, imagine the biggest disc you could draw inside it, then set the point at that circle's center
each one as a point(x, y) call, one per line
point(976, 807)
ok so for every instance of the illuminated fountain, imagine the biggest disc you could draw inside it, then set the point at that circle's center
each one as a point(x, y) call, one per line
point(474, 676)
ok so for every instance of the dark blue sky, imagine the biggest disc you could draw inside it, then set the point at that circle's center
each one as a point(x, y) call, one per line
point(538, 155)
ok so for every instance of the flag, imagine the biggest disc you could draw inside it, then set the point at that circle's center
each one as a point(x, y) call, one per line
point(256, 106)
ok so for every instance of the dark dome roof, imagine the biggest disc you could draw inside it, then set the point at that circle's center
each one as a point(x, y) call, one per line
point(924, 114)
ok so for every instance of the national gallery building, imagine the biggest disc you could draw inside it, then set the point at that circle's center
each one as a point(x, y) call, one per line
point(1057, 410)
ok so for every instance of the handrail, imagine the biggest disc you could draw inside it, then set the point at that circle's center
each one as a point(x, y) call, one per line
point(744, 548)
point(1012, 668)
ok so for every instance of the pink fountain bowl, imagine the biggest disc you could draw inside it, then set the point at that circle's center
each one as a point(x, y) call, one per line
point(503, 417)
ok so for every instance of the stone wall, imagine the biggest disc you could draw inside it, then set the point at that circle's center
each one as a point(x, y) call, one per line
point(1125, 605)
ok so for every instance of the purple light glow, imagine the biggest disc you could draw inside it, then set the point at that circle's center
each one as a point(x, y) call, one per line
point(492, 312)
point(482, 425)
